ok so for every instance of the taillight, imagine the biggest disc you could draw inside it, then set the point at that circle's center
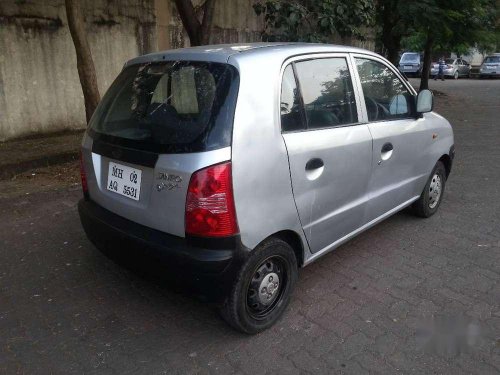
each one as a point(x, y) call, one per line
point(210, 203)
point(83, 176)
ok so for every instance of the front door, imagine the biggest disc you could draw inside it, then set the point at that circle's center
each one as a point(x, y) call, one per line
point(330, 152)
point(399, 138)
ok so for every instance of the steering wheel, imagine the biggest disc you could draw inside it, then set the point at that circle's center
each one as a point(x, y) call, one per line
point(374, 108)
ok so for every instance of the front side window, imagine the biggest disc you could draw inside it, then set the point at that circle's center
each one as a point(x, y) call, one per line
point(290, 108)
point(327, 92)
point(386, 97)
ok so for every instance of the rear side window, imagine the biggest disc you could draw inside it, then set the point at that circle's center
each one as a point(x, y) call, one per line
point(386, 97)
point(327, 92)
point(167, 107)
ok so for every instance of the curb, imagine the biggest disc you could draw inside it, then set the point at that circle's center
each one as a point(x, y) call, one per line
point(8, 171)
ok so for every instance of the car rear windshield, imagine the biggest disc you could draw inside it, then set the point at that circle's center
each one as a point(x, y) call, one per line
point(410, 57)
point(492, 60)
point(169, 107)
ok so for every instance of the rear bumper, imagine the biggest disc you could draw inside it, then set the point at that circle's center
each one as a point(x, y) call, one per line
point(208, 267)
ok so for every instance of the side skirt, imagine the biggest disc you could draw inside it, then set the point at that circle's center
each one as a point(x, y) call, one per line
point(354, 233)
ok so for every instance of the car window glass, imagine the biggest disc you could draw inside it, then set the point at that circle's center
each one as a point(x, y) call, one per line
point(327, 92)
point(386, 97)
point(172, 106)
point(492, 60)
point(291, 117)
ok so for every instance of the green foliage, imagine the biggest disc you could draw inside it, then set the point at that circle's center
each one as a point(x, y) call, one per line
point(453, 26)
point(313, 20)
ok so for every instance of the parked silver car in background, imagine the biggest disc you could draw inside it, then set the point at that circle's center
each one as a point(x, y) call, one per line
point(234, 165)
point(455, 68)
point(490, 66)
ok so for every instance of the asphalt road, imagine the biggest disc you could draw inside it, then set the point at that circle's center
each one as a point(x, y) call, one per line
point(366, 308)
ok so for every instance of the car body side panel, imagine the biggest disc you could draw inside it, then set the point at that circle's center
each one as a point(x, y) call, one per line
point(332, 204)
point(261, 176)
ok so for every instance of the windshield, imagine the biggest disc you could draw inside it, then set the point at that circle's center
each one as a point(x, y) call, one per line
point(492, 60)
point(410, 57)
point(177, 106)
point(449, 61)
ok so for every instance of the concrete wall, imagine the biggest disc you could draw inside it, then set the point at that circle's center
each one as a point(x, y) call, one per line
point(39, 86)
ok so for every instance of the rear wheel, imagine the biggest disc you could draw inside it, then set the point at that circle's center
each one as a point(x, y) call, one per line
point(263, 289)
point(431, 197)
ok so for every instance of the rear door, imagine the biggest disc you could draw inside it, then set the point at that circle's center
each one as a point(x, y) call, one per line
point(157, 124)
point(400, 139)
point(329, 151)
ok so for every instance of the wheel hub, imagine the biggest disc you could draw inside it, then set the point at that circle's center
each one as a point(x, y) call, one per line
point(435, 189)
point(268, 288)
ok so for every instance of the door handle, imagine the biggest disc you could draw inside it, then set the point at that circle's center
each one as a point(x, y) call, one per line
point(387, 147)
point(314, 164)
point(386, 152)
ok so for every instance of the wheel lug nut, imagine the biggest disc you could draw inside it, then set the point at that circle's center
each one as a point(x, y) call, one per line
point(270, 278)
point(264, 290)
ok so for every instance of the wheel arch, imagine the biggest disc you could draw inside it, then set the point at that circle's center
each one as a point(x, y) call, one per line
point(446, 160)
point(293, 239)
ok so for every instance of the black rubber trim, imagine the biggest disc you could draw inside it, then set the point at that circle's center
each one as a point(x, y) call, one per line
point(128, 155)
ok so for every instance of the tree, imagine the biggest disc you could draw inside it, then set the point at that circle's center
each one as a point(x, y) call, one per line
point(451, 26)
point(198, 31)
point(84, 62)
point(392, 28)
point(313, 20)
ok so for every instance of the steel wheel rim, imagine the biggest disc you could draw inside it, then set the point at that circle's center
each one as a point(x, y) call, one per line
point(265, 289)
point(435, 189)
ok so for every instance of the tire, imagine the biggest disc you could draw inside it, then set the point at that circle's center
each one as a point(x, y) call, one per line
point(428, 203)
point(455, 75)
point(243, 308)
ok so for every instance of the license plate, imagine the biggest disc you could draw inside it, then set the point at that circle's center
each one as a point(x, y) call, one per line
point(124, 180)
point(408, 66)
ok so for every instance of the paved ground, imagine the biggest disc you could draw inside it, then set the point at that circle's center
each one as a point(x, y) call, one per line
point(66, 308)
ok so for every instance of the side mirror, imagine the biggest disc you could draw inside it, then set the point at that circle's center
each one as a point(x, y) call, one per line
point(425, 101)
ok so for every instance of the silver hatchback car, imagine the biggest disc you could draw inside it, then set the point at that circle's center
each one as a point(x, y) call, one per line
point(234, 165)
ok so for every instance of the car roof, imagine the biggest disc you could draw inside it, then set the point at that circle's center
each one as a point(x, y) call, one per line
point(222, 52)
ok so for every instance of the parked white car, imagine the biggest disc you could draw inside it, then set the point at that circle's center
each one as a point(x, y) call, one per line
point(454, 68)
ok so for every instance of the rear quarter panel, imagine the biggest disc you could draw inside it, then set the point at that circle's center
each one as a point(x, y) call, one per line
point(261, 175)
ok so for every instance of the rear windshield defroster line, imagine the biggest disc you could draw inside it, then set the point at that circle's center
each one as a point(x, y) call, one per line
point(169, 107)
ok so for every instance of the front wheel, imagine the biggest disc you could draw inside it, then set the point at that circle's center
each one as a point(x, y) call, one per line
point(455, 76)
point(263, 289)
point(431, 197)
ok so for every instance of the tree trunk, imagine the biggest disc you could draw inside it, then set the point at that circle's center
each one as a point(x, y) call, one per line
point(84, 62)
point(189, 21)
point(198, 32)
point(206, 25)
point(390, 39)
point(424, 81)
